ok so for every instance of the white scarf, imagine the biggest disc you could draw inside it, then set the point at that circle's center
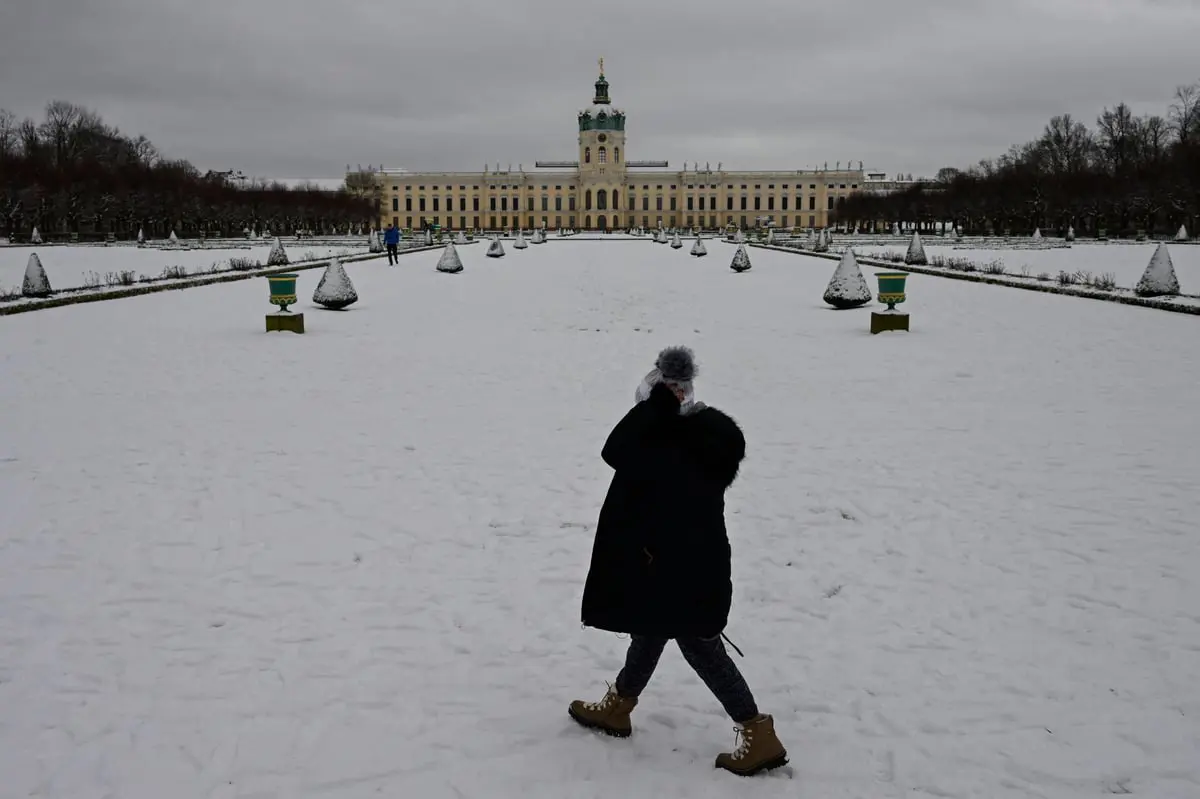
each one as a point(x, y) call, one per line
point(687, 406)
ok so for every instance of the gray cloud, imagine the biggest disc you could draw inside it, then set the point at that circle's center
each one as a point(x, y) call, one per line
point(301, 88)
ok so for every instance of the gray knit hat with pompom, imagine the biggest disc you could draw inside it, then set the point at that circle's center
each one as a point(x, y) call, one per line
point(677, 365)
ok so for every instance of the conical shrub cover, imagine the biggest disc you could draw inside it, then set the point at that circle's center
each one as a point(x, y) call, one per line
point(1037, 234)
point(36, 283)
point(141, 239)
point(698, 249)
point(374, 244)
point(822, 242)
point(173, 238)
point(450, 262)
point(428, 237)
point(277, 256)
point(1182, 234)
point(335, 291)
point(847, 288)
point(895, 228)
point(35, 237)
point(1071, 233)
point(740, 238)
point(1159, 278)
point(520, 243)
point(676, 243)
point(916, 251)
point(461, 238)
point(741, 259)
point(495, 249)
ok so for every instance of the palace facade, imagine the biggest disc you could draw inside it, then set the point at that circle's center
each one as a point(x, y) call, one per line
point(604, 190)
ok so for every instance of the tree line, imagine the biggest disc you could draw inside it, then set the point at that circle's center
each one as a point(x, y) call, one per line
point(73, 174)
point(1127, 174)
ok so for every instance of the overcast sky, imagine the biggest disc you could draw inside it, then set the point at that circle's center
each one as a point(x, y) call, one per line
point(300, 88)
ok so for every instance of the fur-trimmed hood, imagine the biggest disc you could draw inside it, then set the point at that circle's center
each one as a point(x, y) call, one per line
point(715, 440)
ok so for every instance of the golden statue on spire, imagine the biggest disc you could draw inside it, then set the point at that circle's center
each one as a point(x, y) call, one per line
point(601, 65)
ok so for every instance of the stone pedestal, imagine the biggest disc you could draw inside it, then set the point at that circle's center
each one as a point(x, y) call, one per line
point(285, 321)
point(882, 321)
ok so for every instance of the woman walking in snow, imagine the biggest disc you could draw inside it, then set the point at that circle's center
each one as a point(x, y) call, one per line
point(660, 566)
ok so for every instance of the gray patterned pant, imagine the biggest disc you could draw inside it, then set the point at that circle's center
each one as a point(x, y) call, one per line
point(707, 656)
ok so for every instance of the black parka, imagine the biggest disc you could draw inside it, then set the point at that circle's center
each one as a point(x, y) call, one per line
point(661, 559)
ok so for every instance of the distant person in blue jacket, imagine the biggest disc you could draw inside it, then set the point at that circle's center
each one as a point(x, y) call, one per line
point(391, 237)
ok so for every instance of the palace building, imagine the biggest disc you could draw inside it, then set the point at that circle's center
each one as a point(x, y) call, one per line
point(604, 190)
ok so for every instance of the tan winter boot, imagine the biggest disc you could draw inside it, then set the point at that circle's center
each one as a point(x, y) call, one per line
point(610, 715)
point(758, 750)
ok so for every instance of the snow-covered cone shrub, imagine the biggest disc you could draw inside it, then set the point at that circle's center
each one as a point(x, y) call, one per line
point(1182, 234)
point(770, 235)
point(1070, 233)
point(698, 249)
point(428, 237)
point(461, 238)
point(495, 249)
point(847, 288)
point(520, 242)
point(1159, 278)
point(335, 291)
point(141, 239)
point(676, 243)
point(450, 262)
point(173, 239)
point(539, 236)
point(35, 237)
point(374, 244)
point(1037, 234)
point(740, 238)
point(916, 251)
point(277, 256)
point(822, 242)
point(741, 260)
point(895, 229)
point(36, 283)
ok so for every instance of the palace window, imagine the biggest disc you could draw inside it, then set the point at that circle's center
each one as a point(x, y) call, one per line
point(729, 205)
point(571, 206)
point(503, 203)
point(516, 204)
point(435, 203)
point(395, 203)
point(587, 200)
point(601, 194)
point(783, 203)
point(743, 202)
point(408, 222)
point(545, 203)
point(812, 204)
point(462, 205)
point(674, 205)
point(830, 203)
point(691, 206)
point(645, 203)
point(658, 200)
point(602, 155)
point(587, 155)
point(616, 155)
point(475, 205)
point(557, 207)
point(770, 203)
point(757, 203)
point(422, 204)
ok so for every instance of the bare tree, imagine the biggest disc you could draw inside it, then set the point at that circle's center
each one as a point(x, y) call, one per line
point(1184, 113)
point(1117, 136)
point(1067, 145)
point(9, 133)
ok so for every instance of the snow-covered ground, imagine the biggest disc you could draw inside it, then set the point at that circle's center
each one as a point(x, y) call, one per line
point(1124, 260)
point(73, 266)
point(348, 564)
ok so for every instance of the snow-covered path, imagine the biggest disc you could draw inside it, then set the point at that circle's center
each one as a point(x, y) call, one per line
point(348, 564)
